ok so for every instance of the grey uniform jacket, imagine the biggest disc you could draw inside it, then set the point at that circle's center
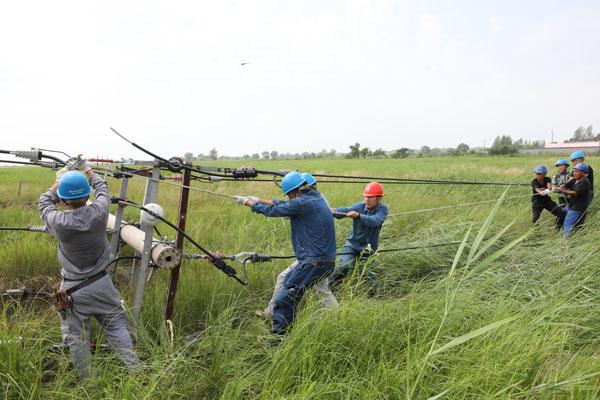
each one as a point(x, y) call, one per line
point(83, 248)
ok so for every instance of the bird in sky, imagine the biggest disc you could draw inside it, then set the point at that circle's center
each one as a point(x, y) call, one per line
point(244, 63)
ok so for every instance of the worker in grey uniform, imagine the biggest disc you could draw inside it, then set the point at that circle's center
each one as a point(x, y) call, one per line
point(83, 252)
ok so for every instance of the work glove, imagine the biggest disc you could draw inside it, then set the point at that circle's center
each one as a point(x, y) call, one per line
point(61, 172)
point(254, 199)
point(240, 199)
point(545, 192)
point(81, 164)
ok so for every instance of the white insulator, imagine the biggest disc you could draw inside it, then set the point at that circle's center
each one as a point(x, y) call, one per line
point(163, 255)
point(148, 218)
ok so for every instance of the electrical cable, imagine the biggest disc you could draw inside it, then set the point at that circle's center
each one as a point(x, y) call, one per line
point(162, 181)
point(345, 178)
point(220, 264)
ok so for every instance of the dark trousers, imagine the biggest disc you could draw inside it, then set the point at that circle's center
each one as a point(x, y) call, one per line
point(552, 207)
point(299, 279)
point(582, 219)
point(346, 264)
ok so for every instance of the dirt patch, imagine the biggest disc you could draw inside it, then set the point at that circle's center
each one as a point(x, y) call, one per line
point(31, 205)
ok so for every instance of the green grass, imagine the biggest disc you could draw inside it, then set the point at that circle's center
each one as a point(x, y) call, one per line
point(514, 312)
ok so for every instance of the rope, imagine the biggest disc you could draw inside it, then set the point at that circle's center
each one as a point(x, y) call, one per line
point(265, 257)
point(227, 178)
point(453, 206)
point(33, 228)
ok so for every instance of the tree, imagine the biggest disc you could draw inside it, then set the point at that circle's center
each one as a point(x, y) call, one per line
point(265, 155)
point(332, 153)
point(400, 153)
point(255, 156)
point(379, 153)
point(364, 152)
point(503, 145)
point(188, 157)
point(354, 151)
point(462, 148)
point(246, 156)
point(526, 144)
point(274, 155)
point(588, 135)
point(213, 154)
point(582, 134)
point(425, 150)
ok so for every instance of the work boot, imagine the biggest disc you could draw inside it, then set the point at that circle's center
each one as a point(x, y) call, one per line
point(262, 314)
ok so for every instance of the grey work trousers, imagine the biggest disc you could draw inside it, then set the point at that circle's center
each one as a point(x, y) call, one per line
point(321, 289)
point(101, 301)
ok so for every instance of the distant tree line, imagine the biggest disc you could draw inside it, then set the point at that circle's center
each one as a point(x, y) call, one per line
point(502, 145)
point(506, 145)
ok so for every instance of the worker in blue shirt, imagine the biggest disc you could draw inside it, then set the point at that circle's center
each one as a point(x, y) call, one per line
point(321, 289)
point(367, 219)
point(313, 240)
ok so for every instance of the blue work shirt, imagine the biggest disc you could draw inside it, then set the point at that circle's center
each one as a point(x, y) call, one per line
point(365, 228)
point(313, 231)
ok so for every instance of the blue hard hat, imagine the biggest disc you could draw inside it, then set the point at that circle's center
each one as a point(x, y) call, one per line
point(577, 154)
point(310, 180)
point(581, 167)
point(292, 180)
point(73, 185)
point(541, 169)
point(562, 161)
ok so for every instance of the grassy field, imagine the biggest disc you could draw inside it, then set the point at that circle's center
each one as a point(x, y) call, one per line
point(513, 312)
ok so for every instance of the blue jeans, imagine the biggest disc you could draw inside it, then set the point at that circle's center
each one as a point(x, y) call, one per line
point(572, 218)
point(346, 265)
point(302, 277)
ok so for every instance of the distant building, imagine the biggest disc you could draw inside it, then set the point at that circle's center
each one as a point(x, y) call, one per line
point(565, 148)
point(592, 147)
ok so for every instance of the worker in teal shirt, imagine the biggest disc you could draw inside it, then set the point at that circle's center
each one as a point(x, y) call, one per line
point(368, 217)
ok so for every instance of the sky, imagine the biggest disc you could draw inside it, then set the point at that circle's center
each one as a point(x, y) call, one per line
point(320, 74)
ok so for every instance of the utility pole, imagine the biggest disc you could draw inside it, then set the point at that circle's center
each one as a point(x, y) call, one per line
point(552, 132)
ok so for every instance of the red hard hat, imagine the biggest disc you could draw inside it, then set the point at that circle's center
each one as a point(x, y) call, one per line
point(373, 189)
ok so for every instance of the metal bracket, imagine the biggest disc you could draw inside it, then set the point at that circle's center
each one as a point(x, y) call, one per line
point(115, 240)
point(140, 269)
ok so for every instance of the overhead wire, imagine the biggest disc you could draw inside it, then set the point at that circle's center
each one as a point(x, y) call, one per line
point(344, 178)
point(18, 162)
point(129, 174)
point(233, 197)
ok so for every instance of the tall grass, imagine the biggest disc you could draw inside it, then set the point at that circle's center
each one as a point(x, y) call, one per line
point(513, 312)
